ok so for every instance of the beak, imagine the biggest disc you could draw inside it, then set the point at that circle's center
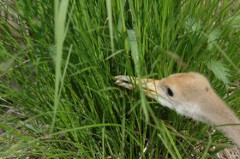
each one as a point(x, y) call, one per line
point(149, 86)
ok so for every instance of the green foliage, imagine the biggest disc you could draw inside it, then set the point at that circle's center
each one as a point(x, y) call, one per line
point(219, 70)
point(57, 93)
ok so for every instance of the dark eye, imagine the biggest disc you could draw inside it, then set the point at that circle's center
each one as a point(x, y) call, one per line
point(169, 92)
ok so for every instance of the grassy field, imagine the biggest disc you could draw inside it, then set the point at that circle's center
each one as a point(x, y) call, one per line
point(57, 63)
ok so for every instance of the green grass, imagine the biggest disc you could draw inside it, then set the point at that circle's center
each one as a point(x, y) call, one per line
point(57, 93)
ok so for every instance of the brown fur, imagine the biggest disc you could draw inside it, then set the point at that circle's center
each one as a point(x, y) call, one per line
point(194, 97)
point(195, 88)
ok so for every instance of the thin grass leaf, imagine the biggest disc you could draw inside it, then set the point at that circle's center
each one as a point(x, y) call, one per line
point(135, 55)
point(110, 23)
point(60, 17)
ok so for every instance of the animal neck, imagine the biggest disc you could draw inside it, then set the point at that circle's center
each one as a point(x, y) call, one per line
point(223, 118)
point(232, 131)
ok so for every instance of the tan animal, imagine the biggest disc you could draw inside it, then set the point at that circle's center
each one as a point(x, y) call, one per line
point(191, 95)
